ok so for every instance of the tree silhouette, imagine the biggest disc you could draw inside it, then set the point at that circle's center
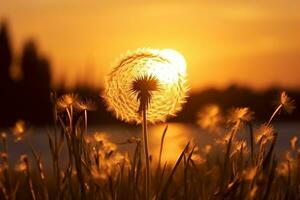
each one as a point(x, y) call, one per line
point(35, 85)
point(5, 54)
point(6, 84)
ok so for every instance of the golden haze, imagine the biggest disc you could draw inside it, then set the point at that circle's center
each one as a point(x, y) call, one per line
point(253, 43)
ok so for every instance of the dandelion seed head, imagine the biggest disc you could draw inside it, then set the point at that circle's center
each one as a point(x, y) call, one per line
point(210, 118)
point(287, 102)
point(264, 134)
point(240, 115)
point(85, 105)
point(67, 100)
point(168, 92)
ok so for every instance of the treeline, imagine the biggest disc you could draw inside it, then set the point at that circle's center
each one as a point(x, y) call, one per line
point(24, 90)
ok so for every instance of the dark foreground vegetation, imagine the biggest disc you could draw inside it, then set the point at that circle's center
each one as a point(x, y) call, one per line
point(230, 168)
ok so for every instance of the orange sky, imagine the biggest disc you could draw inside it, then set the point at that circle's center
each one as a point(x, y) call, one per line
point(253, 43)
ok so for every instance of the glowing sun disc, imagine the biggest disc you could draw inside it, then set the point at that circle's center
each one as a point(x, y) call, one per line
point(176, 58)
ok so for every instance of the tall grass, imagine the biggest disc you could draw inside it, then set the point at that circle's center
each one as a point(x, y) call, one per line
point(229, 169)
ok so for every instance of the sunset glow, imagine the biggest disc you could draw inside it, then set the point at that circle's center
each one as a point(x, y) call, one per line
point(223, 42)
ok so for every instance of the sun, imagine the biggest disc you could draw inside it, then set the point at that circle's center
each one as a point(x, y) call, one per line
point(176, 58)
point(168, 73)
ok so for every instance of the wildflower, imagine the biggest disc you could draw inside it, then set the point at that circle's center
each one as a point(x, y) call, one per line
point(19, 130)
point(67, 100)
point(287, 103)
point(210, 118)
point(293, 142)
point(264, 134)
point(85, 105)
point(145, 75)
point(240, 115)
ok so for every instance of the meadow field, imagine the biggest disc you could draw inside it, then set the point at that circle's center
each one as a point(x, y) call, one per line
point(237, 158)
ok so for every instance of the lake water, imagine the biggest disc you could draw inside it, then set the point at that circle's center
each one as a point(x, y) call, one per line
point(177, 136)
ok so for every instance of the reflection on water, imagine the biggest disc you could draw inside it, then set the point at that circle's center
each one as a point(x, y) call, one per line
point(177, 136)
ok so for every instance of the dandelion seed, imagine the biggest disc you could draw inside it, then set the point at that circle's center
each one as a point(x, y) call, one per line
point(240, 115)
point(85, 105)
point(67, 100)
point(210, 118)
point(152, 71)
point(19, 130)
point(287, 103)
point(264, 134)
point(293, 142)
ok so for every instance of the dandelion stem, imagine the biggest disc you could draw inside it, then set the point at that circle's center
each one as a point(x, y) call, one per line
point(145, 137)
point(85, 121)
point(251, 142)
point(273, 115)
